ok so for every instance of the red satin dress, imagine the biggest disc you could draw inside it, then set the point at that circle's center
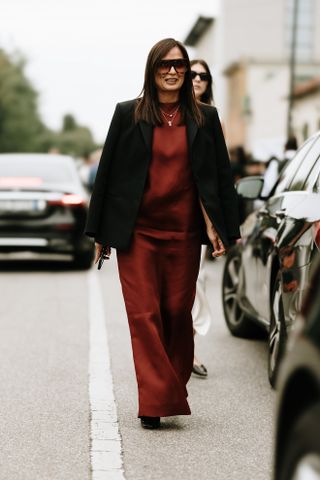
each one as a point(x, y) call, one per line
point(158, 276)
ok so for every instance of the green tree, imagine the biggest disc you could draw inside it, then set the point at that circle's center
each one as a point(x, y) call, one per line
point(73, 139)
point(21, 128)
point(20, 123)
point(69, 123)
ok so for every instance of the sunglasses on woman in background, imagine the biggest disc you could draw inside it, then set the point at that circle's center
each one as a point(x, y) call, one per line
point(204, 77)
point(180, 65)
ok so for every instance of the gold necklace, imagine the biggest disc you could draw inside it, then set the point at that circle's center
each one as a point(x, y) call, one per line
point(170, 115)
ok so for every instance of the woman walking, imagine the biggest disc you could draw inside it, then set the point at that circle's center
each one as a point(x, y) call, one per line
point(201, 315)
point(162, 188)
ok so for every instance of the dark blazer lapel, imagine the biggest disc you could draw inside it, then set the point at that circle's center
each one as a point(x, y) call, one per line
point(192, 129)
point(147, 131)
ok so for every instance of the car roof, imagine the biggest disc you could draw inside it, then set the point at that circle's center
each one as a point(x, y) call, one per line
point(51, 163)
point(40, 156)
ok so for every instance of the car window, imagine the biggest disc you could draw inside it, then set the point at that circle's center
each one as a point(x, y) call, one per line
point(47, 170)
point(313, 181)
point(299, 181)
point(317, 185)
point(289, 171)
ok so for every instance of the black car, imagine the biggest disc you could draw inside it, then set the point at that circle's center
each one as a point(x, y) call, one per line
point(297, 447)
point(43, 206)
point(266, 273)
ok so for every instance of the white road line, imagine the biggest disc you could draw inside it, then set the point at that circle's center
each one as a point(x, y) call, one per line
point(105, 448)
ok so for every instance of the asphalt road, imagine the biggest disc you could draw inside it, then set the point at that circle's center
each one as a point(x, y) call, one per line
point(45, 412)
point(44, 407)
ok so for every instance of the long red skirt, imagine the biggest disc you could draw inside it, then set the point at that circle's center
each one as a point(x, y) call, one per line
point(158, 278)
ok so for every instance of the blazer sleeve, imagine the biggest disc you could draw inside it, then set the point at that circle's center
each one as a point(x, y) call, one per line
point(227, 192)
point(99, 188)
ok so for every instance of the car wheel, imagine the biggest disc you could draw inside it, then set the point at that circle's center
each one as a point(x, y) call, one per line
point(239, 324)
point(83, 260)
point(300, 458)
point(277, 332)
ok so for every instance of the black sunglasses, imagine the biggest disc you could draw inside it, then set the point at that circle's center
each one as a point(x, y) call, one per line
point(205, 77)
point(180, 65)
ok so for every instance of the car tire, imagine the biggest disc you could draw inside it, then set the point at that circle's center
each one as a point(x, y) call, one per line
point(277, 332)
point(301, 453)
point(239, 324)
point(83, 260)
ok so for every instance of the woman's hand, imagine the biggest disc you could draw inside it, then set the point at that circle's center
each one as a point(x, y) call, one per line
point(98, 248)
point(218, 247)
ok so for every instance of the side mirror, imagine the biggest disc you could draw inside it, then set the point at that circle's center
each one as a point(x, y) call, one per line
point(250, 188)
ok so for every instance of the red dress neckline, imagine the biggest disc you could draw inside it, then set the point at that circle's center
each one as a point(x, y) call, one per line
point(169, 107)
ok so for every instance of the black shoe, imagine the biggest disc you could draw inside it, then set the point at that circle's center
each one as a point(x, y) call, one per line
point(150, 422)
point(200, 370)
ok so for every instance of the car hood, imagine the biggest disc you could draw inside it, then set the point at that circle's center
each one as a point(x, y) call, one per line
point(307, 208)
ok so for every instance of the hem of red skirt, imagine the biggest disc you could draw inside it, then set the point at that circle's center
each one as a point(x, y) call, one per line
point(164, 411)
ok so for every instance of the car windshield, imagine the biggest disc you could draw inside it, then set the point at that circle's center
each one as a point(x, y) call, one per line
point(35, 171)
point(291, 168)
point(317, 186)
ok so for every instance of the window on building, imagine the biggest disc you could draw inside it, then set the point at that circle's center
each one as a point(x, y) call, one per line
point(305, 29)
point(246, 106)
point(305, 131)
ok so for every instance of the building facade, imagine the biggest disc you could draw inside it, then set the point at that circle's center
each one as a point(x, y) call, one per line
point(306, 114)
point(248, 45)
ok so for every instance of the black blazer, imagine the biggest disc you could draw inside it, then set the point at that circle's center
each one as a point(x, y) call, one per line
point(123, 170)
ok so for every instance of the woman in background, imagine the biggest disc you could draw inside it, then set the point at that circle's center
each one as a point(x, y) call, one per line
point(201, 315)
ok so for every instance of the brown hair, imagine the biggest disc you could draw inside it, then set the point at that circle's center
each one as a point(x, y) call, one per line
point(147, 107)
point(207, 96)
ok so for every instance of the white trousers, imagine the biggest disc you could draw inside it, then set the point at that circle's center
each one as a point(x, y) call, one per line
point(201, 314)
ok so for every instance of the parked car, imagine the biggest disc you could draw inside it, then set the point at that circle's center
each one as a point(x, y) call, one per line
point(297, 446)
point(266, 273)
point(43, 206)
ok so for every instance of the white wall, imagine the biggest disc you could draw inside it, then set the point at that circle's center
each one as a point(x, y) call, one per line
point(260, 29)
point(317, 31)
point(267, 87)
point(253, 29)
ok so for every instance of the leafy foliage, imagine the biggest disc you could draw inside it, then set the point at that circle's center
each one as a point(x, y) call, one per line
point(73, 139)
point(20, 124)
point(21, 128)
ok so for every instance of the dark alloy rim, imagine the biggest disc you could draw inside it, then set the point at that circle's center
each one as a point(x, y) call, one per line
point(232, 290)
point(275, 328)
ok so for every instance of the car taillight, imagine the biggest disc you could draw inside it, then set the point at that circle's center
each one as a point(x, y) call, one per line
point(69, 199)
point(72, 199)
point(316, 234)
